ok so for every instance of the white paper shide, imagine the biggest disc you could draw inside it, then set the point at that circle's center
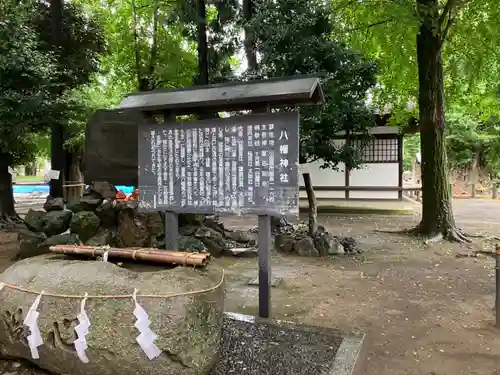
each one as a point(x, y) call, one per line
point(147, 337)
point(82, 330)
point(31, 321)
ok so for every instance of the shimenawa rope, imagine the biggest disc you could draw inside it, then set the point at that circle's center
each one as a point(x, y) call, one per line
point(118, 296)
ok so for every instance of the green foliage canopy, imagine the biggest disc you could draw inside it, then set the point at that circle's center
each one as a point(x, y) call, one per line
point(386, 30)
point(223, 27)
point(169, 63)
point(27, 80)
point(471, 141)
point(295, 37)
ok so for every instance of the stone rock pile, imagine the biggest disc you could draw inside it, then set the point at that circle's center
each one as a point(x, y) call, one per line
point(97, 219)
point(322, 243)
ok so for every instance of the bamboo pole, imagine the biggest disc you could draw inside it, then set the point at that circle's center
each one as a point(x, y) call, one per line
point(144, 254)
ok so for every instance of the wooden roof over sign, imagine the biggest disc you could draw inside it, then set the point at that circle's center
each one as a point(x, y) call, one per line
point(108, 130)
point(232, 96)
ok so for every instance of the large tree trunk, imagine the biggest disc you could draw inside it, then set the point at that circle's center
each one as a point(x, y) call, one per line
point(142, 84)
point(154, 48)
point(249, 42)
point(203, 77)
point(57, 136)
point(74, 177)
point(202, 43)
point(474, 171)
point(8, 215)
point(437, 215)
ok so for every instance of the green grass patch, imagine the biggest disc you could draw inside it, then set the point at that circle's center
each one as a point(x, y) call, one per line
point(29, 179)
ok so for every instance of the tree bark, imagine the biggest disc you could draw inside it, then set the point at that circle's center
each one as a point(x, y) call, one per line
point(141, 83)
point(30, 169)
point(8, 215)
point(474, 174)
point(437, 215)
point(202, 43)
point(57, 132)
point(249, 42)
point(313, 207)
point(154, 48)
point(74, 177)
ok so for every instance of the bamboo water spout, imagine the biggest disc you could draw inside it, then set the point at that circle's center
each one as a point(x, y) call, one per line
point(144, 254)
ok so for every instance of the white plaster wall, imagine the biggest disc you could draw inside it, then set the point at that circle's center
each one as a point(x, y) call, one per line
point(324, 177)
point(371, 174)
point(375, 174)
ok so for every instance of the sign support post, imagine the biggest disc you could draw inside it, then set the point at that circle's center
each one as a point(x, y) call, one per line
point(264, 241)
point(171, 218)
point(171, 230)
point(264, 266)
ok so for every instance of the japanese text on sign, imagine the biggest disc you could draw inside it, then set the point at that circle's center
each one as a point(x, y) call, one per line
point(246, 164)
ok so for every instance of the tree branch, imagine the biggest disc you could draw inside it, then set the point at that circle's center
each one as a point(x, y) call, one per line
point(450, 6)
point(446, 13)
point(136, 45)
point(446, 19)
point(444, 33)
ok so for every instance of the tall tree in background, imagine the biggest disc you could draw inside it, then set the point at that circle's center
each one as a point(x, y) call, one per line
point(473, 146)
point(416, 41)
point(26, 104)
point(214, 27)
point(201, 40)
point(295, 37)
point(145, 49)
point(76, 39)
point(249, 42)
point(57, 155)
point(146, 72)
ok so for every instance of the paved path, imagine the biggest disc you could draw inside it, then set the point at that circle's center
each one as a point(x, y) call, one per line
point(465, 210)
point(476, 210)
point(23, 204)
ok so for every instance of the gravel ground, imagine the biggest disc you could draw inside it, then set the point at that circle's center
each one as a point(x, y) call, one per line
point(425, 311)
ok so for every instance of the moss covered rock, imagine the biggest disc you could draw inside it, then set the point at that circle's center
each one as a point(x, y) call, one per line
point(85, 224)
point(56, 222)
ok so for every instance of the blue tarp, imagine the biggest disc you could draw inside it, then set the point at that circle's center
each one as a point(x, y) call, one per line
point(29, 189)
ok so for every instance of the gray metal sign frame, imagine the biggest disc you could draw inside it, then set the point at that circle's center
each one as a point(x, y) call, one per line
point(157, 141)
